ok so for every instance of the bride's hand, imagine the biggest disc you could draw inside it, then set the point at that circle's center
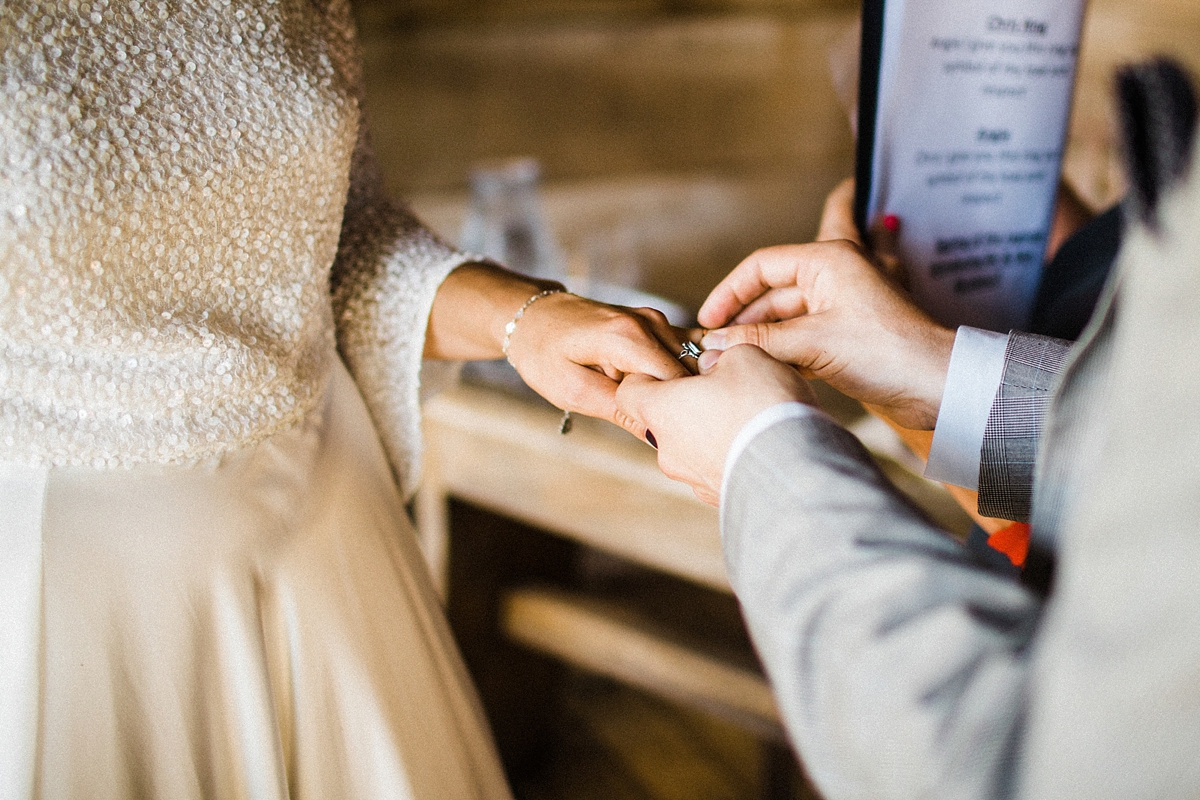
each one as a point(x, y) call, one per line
point(572, 351)
point(575, 352)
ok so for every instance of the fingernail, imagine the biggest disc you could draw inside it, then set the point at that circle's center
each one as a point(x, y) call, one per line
point(713, 340)
point(708, 358)
point(651, 440)
point(891, 222)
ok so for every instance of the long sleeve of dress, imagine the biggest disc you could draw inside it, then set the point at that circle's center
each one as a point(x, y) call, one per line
point(388, 269)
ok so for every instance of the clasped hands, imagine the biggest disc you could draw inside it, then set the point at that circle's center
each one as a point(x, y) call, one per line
point(830, 310)
point(823, 310)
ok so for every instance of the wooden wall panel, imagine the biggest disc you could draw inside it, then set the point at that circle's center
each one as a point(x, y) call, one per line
point(707, 127)
point(1118, 32)
point(605, 98)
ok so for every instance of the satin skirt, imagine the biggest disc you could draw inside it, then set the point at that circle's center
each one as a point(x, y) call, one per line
point(261, 626)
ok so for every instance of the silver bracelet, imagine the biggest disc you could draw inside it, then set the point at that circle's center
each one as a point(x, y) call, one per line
point(512, 324)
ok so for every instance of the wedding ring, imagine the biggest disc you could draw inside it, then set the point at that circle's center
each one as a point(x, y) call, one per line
point(690, 350)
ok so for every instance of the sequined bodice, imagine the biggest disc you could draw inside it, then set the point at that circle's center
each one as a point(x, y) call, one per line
point(172, 184)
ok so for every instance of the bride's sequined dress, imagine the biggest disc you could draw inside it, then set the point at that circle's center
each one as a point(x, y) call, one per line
point(208, 584)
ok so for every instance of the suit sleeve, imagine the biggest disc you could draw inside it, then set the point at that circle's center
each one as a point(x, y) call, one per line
point(897, 660)
point(1010, 439)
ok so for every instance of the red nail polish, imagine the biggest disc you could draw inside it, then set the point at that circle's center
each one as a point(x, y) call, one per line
point(891, 222)
point(650, 438)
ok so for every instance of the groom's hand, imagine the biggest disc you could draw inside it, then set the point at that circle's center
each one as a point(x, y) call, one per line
point(693, 421)
point(826, 308)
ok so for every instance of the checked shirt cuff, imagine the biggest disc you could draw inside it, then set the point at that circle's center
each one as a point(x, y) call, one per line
point(976, 369)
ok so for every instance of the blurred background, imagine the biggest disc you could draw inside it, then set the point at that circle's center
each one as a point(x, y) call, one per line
point(689, 132)
point(674, 137)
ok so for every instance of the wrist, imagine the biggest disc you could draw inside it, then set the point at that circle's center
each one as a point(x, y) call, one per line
point(511, 326)
point(512, 295)
point(939, 346)
point(497, 295)
point(471, 309)
point(976, 371)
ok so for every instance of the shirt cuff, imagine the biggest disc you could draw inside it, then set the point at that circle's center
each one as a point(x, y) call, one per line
point(976, 369)
point(759, 423)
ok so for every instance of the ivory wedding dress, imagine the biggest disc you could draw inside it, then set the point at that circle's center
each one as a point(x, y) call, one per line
point(208, 583)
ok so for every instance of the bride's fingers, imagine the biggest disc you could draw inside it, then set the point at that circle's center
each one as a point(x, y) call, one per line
point(608, 371)
point(634, 426)
point(660, 327)
point(614, 341)
point(585, 391)
point(669, 340)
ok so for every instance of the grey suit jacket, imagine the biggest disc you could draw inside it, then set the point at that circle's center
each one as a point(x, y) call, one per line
point(1032, 365)
point(904, 669)
point(1071, 286)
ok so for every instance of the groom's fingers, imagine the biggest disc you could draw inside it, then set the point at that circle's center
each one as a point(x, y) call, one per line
point(775, 305)
point(735, 291)
point(837, 219)
point(791, 342)
point(708, 361)
point(707, 495)
point(747, 282)
point(693, 335)
point(790, 267)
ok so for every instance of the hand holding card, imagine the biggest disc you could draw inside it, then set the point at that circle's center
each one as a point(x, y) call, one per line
point(963, 110)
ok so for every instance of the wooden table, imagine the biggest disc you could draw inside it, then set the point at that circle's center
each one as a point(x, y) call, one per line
point(601, 487)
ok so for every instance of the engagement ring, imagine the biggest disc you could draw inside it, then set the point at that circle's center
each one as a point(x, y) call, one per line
point(690, 350)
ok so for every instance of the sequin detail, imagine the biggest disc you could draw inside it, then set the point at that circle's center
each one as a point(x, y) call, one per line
point(173, 178)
